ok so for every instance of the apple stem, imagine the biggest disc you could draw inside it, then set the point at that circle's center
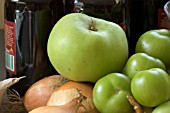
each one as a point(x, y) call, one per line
point(92, 26)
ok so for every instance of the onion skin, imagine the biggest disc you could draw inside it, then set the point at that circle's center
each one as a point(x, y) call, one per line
point(71, 107)
point(70, 90)
point(39, 93)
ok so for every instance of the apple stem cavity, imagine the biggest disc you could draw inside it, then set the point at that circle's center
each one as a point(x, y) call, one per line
point(92, 26)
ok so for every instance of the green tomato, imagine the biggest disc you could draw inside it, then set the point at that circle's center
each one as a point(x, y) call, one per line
point(155, 43)
point(151, 87)
point(84, 48)
point(142, 61)
point(110, 94)
point(162, 108)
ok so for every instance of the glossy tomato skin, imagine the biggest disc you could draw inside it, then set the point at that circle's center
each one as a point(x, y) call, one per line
point(156, 43)
point(110, 94)
point(151, 87)
point(142, 61)
point(162, 108)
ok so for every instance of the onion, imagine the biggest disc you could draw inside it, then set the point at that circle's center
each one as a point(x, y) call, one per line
point(71, 90)
point(71, 107)
point(39, 93)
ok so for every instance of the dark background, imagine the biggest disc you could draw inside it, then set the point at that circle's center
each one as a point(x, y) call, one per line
point(2, 58)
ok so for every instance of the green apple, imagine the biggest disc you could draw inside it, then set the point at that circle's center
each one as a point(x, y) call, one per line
point(84, 48)
point(142, 61)
point(155, 43)
point(162, 108)
point(151, 87)
point(110, 94)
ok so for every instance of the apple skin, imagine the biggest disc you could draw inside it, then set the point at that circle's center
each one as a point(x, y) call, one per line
point(155, 43)
point(84, 48)
point(142, 61)
point(151, 87)
point(162, 108)
point(110, 94)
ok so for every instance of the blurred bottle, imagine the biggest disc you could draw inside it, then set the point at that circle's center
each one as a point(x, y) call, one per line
point(163, 21)
point(110, 10)
point(27, 27)
point(144, 15)
point(134, 22)
point(155, 16)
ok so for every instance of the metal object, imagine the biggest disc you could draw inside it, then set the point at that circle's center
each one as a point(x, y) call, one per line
point(167, 9)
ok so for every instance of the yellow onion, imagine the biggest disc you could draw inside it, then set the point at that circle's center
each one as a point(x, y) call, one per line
point(71, 90)
point(39, 93)
point(71, 107)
